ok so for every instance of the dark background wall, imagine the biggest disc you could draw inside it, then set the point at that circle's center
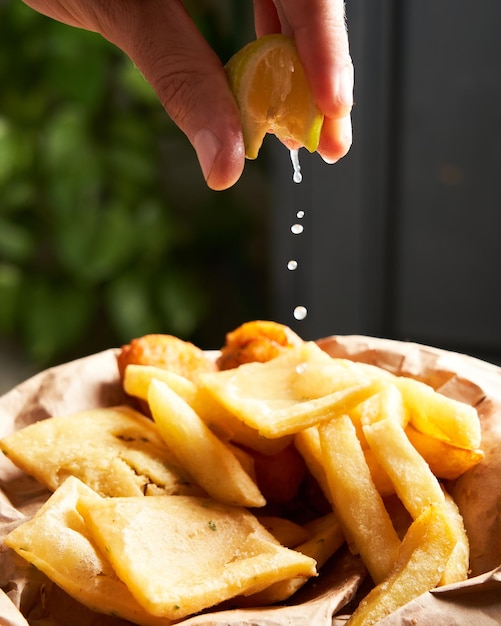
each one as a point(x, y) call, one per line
point(402, 236)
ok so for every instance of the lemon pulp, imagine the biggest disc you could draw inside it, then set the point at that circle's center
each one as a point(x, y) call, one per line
point(273, 95)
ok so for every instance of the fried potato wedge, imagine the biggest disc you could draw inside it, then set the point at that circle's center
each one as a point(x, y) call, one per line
point(458, 565)
point(414, 482)
point(179, 555)
point(116, 451)
point(285, 531)
point(207, 459)
point(355, 498)
point(326, 539)
point(441, 417)
point(274, 399)
point(56, 541)
point(308, 444)
point(445, 460)
point(424, 552)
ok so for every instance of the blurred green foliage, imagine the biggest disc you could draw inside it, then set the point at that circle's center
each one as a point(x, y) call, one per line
point(107, 230)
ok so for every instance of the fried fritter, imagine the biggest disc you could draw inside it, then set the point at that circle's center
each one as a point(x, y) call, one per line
point(168, 352)
point(256, 341)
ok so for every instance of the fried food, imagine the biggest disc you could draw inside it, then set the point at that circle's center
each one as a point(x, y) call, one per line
point(356, 500)
point(374, 445)
point(165, 351)
point(439, 416)
point(116, 451)
point(179, 555)
point(207, 459)
point(258, 341)
point(424, 552)
point(274, 399)
point(280, 475)
point(57, 542)
point(226, 425)
point(445, 460)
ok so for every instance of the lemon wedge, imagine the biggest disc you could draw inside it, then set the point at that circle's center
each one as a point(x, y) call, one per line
point(273, 95)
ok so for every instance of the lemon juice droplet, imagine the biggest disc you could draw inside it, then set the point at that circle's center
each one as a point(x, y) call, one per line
point(300, 312)
point(297, 229)
point(292, 265)
point(297, 177)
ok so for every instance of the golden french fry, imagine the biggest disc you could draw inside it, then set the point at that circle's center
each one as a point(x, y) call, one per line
point(327, 537)
point(285, 531)
point(308, 444)
point(445, 460)
point(380, 478)
point(355, 498)
point(388, 402)
point(424, 553)
point(439, 416)
point(458, 564)
point(414, 482)
point(270, 397)
point(208, 460)
point(137, 379)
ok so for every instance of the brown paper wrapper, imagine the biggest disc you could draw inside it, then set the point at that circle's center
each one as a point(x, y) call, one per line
point(28, 597)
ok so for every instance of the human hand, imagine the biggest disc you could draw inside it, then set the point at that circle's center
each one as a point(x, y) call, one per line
point(189, 79)
point(319, 30)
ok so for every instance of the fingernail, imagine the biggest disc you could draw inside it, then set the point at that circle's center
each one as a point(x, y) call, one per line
point(207, 147)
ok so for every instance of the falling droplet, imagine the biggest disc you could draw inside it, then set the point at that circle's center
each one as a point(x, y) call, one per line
point(300, 312)
point(300, 214)
point(292, 265)
point(297, 177)
point(297, 229)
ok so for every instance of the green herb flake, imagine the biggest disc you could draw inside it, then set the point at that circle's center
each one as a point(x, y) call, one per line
point(212, 525)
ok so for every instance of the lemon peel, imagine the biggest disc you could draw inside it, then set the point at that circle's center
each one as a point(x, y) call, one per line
point(268, 81)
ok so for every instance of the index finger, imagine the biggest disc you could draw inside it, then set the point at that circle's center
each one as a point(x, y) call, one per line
point(319, 30)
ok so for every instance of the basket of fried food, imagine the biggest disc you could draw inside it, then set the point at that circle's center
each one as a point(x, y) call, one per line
point(276, 481)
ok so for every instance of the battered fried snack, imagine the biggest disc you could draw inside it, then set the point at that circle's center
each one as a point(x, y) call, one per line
point(256, 341)
point(167, 352)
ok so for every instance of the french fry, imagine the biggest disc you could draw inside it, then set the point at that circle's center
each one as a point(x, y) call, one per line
point(414, 482)
point(388, 402)
point(327, 537)
point(205, 457)
point(308, 444)
point(355, 498)
point(445, 460)
point(288, 533)
point(458, 564)
point(137, 379)
point(439, 416)
point(424, 553)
